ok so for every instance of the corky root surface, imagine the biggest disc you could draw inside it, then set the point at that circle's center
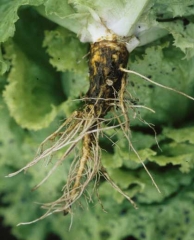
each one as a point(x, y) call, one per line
point(106, 58)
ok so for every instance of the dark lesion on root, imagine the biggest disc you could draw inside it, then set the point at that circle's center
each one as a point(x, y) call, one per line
point(106, 58)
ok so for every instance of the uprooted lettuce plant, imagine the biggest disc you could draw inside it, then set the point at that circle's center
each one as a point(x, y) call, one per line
point(104, 88)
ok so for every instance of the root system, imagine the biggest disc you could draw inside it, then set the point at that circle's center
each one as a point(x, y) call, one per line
point(106, 94)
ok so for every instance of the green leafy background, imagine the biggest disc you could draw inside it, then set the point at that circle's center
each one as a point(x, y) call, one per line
point(43, 69)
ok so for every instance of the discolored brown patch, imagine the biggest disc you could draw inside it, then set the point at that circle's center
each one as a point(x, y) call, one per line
point(106, 57)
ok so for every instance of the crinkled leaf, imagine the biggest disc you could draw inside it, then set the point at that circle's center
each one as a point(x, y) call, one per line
point(174, 7)
point(150, 222)
point(168, 185)
point(183, 36)
point(138, 184)
point(17, 147)
point(123, 152)
point(8, 18)
point(180, 135)
point(180, 8)
point(58, 44)
point(33, 92)
point(95, 223)
point(27, 79)
point(164, 65)
point(177, 154)
point(73, 63)
point(128, 181)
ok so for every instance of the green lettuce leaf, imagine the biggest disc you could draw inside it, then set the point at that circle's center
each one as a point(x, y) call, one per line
point(173, 8)
point(73, 64)
point(26, 79)
point(179, 8)
point(58, 43)
point(162, 64)
point(182, 36)
point(180, 135)
point(8, 18)
point(31, 77)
